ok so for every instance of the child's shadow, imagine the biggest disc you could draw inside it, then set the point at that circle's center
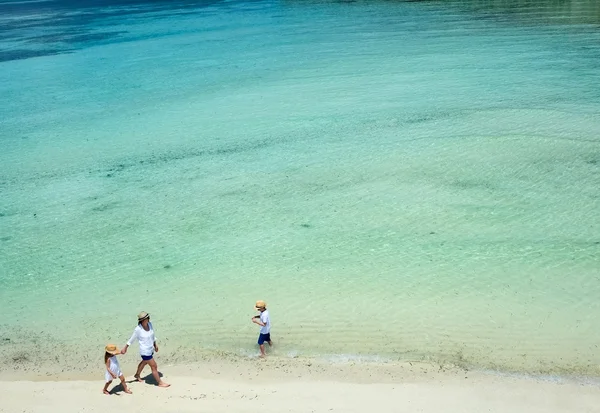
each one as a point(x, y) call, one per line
point(117, 390)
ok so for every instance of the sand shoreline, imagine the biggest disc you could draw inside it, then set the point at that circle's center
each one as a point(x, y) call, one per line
point(359, 370)
point(306, 386)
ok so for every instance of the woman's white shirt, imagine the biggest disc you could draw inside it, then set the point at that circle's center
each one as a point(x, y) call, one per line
point(145, 338)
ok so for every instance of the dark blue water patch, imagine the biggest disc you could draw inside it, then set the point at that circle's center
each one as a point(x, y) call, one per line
point(516, 12)
point(20, 54)
point(57, 26)
point(29, 7)
point(39, 28)
point(77, 37)
point(536, 11)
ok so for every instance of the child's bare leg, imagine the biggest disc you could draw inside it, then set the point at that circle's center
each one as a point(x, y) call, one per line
point(270, 343)
point(125, 388)
point(139, 370)
point(105, 389)
point(262, 350)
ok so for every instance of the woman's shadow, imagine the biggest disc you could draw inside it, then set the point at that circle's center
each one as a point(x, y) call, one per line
point(149, 379)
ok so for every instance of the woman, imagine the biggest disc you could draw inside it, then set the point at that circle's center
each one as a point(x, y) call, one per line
point(144, 334)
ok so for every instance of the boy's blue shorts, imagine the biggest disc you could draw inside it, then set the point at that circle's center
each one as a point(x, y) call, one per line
point(264, 337)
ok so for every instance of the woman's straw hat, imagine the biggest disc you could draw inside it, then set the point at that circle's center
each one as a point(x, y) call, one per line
point(260, 304)
point(143, 315)
point(112, 349)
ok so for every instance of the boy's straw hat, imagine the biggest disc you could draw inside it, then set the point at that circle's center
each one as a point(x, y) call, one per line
point(143, 315)
point(260, 304)
point(112, 349)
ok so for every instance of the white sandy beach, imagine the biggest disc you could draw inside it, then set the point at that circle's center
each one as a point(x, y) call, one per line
point(304, 386)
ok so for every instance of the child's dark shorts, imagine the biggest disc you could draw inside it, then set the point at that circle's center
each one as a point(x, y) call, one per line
point(264, 337)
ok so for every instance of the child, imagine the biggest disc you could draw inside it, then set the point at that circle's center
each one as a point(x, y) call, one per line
point(113, 370)
point(264, 322)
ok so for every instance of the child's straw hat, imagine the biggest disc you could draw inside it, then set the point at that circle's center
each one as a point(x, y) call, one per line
point(111, 349)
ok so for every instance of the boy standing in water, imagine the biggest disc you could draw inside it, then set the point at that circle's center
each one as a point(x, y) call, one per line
point(264, 322)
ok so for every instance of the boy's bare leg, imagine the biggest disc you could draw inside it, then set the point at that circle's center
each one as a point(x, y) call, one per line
point(105, 389)
point(125, 388)
point(270, 343)
point(262, 350)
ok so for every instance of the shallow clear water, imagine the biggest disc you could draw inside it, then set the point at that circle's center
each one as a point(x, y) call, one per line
point(398, 180)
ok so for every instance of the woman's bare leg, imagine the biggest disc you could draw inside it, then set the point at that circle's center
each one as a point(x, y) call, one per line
point(139, 369)
point(154, 368)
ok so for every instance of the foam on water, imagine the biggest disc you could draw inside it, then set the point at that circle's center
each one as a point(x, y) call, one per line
point(399, 181)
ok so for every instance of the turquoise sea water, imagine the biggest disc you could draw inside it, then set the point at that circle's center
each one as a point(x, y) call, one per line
point(398, 180)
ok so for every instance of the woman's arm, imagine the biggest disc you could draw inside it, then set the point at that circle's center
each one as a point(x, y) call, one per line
point(134, 336)
point(155, 345)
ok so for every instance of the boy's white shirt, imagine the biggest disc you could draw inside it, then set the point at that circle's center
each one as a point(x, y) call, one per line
point(264, 318)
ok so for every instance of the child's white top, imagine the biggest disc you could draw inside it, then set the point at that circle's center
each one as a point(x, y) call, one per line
point(264, 317)
point(146, 339)
point(114, 367)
